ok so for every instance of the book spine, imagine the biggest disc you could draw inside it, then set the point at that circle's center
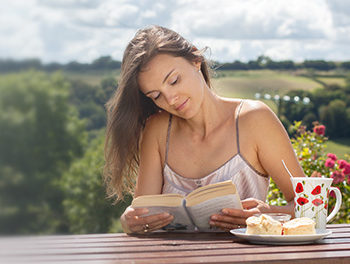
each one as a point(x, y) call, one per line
point(189, 214)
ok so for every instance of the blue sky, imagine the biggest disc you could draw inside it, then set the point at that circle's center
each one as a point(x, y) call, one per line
point(83, 30)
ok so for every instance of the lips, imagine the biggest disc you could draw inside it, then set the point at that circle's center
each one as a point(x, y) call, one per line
point(181, 106)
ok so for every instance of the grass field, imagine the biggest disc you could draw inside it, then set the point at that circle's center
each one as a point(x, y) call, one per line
point(339, 147)
point(338, 80)
point(244, 84)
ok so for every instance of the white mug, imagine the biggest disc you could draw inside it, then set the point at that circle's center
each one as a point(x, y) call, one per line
point(311, 199)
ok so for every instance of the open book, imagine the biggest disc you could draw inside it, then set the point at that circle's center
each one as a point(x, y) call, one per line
point(192, 212)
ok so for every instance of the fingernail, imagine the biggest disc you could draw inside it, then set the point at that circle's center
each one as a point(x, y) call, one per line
point(211, 223)
point(166, 214)
point(214, 218)
point(224, 211)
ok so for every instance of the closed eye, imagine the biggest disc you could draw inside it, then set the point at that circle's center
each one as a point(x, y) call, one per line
point(175, 81)
point(154, 95)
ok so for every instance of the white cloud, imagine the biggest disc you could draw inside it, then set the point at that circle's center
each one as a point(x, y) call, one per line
point(66, 30)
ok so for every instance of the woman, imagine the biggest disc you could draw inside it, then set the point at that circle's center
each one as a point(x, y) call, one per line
point(168, 127)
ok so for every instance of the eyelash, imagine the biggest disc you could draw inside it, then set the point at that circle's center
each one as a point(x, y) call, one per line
point(173, 83)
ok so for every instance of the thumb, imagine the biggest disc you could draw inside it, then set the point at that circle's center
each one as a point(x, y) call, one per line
point(249, 203)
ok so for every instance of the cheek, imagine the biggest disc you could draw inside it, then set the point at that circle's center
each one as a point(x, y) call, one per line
point(161, 103)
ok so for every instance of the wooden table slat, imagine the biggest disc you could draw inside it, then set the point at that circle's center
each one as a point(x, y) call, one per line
point(171, 248)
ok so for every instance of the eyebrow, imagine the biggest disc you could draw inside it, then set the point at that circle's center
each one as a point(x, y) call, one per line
point(166, 77)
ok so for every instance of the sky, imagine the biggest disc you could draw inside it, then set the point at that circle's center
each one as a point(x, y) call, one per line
point(83, 30)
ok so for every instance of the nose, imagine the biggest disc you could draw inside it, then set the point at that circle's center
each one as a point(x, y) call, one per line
point(171, 98)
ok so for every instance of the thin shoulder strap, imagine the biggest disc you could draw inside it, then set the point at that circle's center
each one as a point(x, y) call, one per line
point(237, 129)
point(167, 139)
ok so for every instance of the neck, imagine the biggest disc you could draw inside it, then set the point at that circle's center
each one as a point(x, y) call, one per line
point(210, 116)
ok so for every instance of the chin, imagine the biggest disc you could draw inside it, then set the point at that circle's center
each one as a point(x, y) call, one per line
point(188, 114)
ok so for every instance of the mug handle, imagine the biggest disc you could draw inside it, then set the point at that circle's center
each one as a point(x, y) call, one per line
point(338, 202)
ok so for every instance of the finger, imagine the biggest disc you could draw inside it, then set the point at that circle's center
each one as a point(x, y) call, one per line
point(136, 212)
point(161, 222)
point(249, 203)
point(239, 213)
point(224, 226)
point(228, 219)
point(143, 220)
point(158, 225)
point(152, 226)
point(154, 218)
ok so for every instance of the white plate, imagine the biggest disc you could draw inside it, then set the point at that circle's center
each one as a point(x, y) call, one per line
point(281, 239)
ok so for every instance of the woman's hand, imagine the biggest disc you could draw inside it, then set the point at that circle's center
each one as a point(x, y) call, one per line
point(235, 218)
point(133, 220)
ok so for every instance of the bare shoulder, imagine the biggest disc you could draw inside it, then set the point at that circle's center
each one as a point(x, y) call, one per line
point(157, 122)
point(259, 122)
point(155, 127)
point(255, 112)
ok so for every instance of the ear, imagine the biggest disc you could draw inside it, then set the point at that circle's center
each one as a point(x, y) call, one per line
point(197, 64)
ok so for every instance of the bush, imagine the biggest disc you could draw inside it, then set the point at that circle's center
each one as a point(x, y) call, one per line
point(310, 149)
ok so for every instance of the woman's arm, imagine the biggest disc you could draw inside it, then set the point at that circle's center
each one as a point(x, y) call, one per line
point(149, 180)
point(150, 177)
point(271, 144)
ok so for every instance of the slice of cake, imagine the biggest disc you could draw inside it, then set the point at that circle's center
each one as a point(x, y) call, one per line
point(263, 225)
point(299, 226)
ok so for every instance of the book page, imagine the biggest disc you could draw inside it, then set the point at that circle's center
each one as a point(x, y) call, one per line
point(209, 192)
point(201, 212)
point(170, 199)
point(181, 221)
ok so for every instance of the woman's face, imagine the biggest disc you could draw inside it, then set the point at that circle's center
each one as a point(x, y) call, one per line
point(174, 84)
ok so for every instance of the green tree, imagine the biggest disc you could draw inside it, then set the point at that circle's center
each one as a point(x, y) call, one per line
point(85, 204)
point(334, 117)
point(40, 135)
point(90, 100)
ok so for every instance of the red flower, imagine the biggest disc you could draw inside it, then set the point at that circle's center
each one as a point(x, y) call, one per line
point(332, 156)
point(337, 177)
point(317, 202)
point(317, 190)
point(320, 130)
point(302, 200)
point(299, 188)
point(346, 169)
point(329, 163)
point(342, 164)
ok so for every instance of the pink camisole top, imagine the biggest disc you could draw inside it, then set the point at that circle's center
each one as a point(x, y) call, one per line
point(249, 182)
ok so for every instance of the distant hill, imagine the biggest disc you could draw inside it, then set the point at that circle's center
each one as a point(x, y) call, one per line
point(108, 63)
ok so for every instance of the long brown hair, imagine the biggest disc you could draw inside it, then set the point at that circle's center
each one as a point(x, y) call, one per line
point(129, 108)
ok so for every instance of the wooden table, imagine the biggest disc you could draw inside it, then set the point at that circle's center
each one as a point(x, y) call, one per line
point(170, 248)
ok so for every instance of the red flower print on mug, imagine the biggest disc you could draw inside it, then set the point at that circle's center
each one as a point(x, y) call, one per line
point(317, 190)
point(317, 202)
point(302, 201)
point(299, 188)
